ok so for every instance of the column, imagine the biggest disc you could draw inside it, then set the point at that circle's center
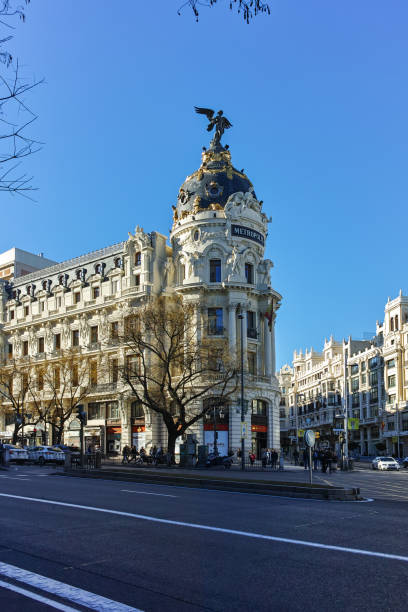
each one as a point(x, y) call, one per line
point(273, 345)
point(243, 327)
point(232, 328)
point(267, 348)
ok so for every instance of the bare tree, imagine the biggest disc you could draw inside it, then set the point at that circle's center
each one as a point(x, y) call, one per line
point(173, 371)
point(15, 382)
point(248, 8)
point(16, 116)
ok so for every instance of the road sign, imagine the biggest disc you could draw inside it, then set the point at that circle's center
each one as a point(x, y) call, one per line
point(310, 437)
point(301, 433)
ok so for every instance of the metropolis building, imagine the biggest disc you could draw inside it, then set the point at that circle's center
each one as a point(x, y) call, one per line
point(214, 258)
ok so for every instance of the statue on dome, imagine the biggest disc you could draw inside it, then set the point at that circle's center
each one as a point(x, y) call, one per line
point(218, 121)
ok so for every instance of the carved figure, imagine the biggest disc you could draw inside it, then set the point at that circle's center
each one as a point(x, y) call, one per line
point(264, 272)
point(234, 266)
point(219, 122)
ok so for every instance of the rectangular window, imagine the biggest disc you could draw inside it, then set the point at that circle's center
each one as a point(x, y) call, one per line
point(94, 410)
point(115, 286)
point(112, 410)
point(373, 362)
point(215, 323)
point(374, 396)
point(373, 378)
point(249, 273)
point(59, 302)
point(57, 378)
point(77, 297)
point(252, 362)
point(42, 306)
point(75, 337)
point(75, 375)
point(11, 314)
point(95, 292)
point(137, 280)
point(26, 311)
point(114, 330)
point(138, 258)
point(391, 381)
point(391, 363)
point(363, 366)
point(354, 384)
point(10, 351)
point(41, 345)
point(25, 347)
point(40, 380)
point(133, 365)
point(57, 341)
point(251, 324)
point(215, 270)
point(115, 370)
point(94, 334)
point(93, 373)
point(354, 369)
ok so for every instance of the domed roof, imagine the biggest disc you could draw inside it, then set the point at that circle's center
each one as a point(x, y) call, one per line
point(212, 184)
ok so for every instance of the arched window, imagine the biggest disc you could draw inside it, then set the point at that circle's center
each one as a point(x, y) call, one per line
point(396, 322)
point(259, 407)
point(118, 262)
point(249, 273)
point(44, 285)
point(392, 324)
point(78, 274)
point(98, 269)
point(61, 279)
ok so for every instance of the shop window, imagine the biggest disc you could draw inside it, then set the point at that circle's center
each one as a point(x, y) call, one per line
point(215, 270)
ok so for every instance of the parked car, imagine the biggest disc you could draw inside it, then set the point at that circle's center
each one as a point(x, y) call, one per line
point(385, 463)
point(19, 455)
point(404, 462)
point(45, 454)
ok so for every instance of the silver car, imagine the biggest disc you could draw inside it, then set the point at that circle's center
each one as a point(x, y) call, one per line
point(45, 454)
point(19, 455)
point(385, 463)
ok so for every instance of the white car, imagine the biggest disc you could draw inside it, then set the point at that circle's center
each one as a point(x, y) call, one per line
point(45, 454)
point(19, 455)
point(385, 463)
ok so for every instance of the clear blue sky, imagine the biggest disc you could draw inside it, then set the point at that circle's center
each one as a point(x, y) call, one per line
point(318, 95)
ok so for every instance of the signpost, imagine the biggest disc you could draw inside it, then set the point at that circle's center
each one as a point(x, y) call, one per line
point(310, 440)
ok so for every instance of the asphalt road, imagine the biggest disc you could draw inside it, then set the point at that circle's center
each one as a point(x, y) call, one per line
point(168, 548)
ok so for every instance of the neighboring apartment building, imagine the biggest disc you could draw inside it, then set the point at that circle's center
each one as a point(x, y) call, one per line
point(377, 387)
point(16, 262)
point(215, 260)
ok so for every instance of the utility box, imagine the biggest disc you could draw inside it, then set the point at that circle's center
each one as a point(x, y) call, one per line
point(188, 451)
point(202, 454)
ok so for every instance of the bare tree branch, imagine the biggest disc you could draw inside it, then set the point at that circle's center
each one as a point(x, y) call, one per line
point(248, 8)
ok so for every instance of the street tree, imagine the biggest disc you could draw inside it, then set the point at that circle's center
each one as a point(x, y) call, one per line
point(173, 367)
point(16, 114)
point(16, 379)
point(247, 8)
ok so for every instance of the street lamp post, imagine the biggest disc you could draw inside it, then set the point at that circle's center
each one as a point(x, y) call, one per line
point(241, 318)
point(345, 414)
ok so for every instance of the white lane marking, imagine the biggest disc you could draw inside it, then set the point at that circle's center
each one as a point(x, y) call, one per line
point(31, 595)
point(247, 534)
point(66, 591)
point(14, 478)
point(145, 493)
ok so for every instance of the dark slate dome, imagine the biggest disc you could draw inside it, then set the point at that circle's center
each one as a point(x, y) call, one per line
point(212, 184)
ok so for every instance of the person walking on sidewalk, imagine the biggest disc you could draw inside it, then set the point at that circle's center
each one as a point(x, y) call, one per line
point(296, 456)
point(315, 459)
point(306, 458)
point(274, 459)
point(125, 453)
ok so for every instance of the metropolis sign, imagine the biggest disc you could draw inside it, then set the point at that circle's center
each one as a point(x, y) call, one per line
point(246, 232)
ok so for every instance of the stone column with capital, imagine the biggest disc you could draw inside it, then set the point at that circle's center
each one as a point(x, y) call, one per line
point(243, 326)
point(267, 348)
point(232, 328)
point(273, 356)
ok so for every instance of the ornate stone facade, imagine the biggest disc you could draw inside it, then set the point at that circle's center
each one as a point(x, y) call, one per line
point(216, 259)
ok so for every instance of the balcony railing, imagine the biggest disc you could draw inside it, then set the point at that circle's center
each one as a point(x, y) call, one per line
point(103, 387)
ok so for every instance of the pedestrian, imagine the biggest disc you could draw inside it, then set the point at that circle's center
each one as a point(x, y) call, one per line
point(274, 459)
point(264, 458)
point(133, 452)
point(252, 458)
point(125, 454)
point(306, 458)
point(315, 459)
point(296, 456)
point(281, 462)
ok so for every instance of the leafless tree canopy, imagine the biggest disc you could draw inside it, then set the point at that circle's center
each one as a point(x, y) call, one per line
point(170, 369)
point(247, 8)
point(16, 115)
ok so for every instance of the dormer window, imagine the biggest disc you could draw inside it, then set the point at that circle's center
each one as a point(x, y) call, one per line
point(138, 258)
point(44, 285)
point(118, 262)
point(61, 280)
point(78, 274)
point(28, 289)
point(98, 269)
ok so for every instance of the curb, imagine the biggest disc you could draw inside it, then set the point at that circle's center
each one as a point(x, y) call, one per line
point(300, 490)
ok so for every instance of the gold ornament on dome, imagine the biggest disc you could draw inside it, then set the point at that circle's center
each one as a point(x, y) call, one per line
point(196, 205)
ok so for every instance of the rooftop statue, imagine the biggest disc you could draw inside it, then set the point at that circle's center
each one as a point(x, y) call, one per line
point(218, 121)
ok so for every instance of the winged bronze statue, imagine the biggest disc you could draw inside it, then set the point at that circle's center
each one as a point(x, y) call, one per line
point(218, 121)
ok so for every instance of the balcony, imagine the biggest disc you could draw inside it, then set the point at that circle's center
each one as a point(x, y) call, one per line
point(104, 387)
point(216, 330)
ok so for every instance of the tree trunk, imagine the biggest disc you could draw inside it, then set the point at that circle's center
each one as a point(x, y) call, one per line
point(171, 443)
point(15, 433)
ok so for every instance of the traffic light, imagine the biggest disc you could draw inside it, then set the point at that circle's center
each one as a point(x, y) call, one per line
point(81, 414)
